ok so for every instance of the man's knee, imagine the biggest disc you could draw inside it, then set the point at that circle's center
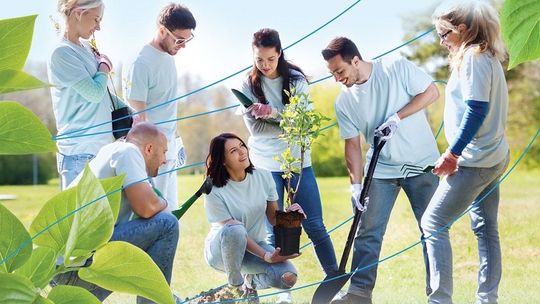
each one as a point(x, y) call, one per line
point(289, 279)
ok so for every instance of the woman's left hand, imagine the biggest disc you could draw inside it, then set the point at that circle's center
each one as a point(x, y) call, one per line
point(298, 208)
point(447, 164)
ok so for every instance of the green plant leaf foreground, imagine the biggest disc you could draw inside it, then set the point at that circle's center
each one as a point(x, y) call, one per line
point(21, 131)
point(520, 25)
point(122, 267)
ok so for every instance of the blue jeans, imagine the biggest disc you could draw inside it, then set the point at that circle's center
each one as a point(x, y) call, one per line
point(157, 236)
point(69, 166)
point(309, 198)
point(369, 236)
point(454, 195)
point(226, 251)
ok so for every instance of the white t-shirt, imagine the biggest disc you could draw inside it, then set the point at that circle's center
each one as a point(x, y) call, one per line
point(480, 78)
point(116, 159)
point(243, 201)
point(363, 107)
point(264, 142)
point(152, 80)
point(69, 64)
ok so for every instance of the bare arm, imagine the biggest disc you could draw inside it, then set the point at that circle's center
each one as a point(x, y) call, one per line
point(143, 201)
point(271, 209)
point(420, 101)
point(138, 106)
point(353, 157)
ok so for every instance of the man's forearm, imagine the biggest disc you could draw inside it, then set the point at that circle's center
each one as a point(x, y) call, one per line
point(353, 157)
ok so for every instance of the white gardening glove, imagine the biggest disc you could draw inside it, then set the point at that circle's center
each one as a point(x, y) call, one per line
point(264, 111)
point(391, 124)
point(356, 192)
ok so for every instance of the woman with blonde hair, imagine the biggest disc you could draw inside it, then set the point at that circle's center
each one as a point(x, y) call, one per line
point(79, 95)
point(474, 118)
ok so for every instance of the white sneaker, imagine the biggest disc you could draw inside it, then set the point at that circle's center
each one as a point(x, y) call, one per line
point(284, 298)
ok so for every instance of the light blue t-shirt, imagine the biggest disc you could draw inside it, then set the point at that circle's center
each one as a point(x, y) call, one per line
point(361, 108)
point(481, 78)
point(152, 80)
point(264, 142)
point(69, 64)
point(243, 201)
point(116, 159)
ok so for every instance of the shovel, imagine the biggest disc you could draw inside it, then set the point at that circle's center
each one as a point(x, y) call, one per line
point(205, 188)
point(333, 283)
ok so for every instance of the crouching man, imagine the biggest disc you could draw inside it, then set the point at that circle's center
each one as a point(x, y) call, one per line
point(141, 221)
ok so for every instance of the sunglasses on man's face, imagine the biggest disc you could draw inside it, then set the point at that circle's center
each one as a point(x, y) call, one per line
point(179, 41)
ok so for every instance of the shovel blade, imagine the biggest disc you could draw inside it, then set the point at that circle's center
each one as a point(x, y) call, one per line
point(328, 289)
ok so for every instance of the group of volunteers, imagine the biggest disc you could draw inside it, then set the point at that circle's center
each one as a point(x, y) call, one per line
point(248, 187)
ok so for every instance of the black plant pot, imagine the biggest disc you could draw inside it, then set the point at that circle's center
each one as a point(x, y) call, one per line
point(288, 239)
point(287, 231)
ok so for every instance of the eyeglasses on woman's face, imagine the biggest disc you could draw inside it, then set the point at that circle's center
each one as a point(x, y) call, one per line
point(444, 35)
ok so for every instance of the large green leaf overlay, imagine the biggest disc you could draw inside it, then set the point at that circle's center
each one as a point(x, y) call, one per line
point(14, 80)
point(21, 131)
point(56, 236)
point(16, 289)
point(520, 22)
point(122, 267)
point(13, 235)
point(92, 225)
point(15, 40)
point(63, 294)
point(40, 268)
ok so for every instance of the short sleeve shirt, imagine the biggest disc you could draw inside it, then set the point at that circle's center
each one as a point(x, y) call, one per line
point(361, 108)
point(480, 78)
point(244, 201)
point(152, 79)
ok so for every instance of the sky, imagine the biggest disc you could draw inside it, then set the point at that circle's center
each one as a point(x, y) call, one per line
point(222, 43)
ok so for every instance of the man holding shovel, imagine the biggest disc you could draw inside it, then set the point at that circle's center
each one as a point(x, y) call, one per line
point(378, 95)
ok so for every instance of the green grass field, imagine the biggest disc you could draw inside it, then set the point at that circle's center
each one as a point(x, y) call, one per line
point(400, 279)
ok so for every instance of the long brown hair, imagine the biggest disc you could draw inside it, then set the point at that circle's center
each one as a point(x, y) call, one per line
point(270, 38)
point(216, 158)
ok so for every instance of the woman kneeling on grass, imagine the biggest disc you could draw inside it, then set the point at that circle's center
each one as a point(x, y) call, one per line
point(237, 206)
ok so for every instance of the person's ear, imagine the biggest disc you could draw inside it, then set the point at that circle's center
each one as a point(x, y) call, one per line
point(462, 27)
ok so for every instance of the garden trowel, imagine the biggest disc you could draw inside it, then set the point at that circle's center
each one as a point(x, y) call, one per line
point(205, 188)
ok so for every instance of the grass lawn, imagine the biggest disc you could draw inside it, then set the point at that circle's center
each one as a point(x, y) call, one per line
point(400, 279)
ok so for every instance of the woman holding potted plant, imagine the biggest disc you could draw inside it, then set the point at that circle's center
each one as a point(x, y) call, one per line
point(79, 95)
point(241, 201)
point(267, 85)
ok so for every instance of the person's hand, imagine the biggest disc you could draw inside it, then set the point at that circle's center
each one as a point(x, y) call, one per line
point(391, 123)
point(447, 164)
point(104, 63)
point(137, 119)
point(356, 192)
point(298, 208)
point(274, 257)
point(261, 110)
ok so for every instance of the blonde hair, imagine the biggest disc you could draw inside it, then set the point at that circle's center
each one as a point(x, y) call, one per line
point(66, 7)
point(483, 29)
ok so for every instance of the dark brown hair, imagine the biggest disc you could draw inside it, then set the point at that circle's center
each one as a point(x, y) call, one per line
point(175, 16)
point(270, 38)
point(215, 160)
point(341, 46)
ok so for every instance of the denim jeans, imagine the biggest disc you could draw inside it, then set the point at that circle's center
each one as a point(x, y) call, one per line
point(309, 198)
point(455, 194)
point(157, 236)
point(69, 166)
point(226, 251)
point(369, 236)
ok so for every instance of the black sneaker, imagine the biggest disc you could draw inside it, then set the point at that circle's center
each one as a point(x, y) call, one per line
point(350, 298)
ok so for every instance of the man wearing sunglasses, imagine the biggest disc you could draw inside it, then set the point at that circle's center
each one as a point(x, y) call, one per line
point(152, 81)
